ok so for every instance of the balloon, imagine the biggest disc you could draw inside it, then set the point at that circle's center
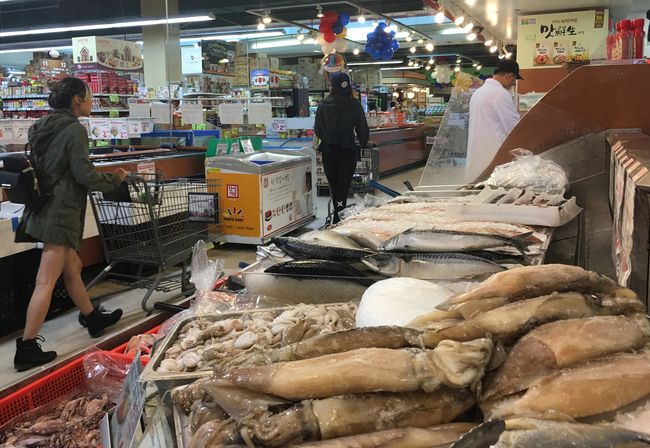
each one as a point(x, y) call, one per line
point(337, 28)
point(330, 37)
point(324, 27)
point(394, 45)
point(329, 17)
point(381, 26)
point(328, 48)
point(320, 39)
point(341, 45)
point(343, 33)
point(344, 18)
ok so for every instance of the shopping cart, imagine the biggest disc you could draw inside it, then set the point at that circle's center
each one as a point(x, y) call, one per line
point(154, 223)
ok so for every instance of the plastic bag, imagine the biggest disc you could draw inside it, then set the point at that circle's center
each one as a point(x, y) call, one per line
point(105, 372)
point(362, 203)
point(530, 172)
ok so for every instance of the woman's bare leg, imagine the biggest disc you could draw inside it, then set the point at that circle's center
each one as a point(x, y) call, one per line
point(74, 284)
point(49, 271)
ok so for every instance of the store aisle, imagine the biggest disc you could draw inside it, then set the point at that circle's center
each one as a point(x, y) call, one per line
point(69, 339)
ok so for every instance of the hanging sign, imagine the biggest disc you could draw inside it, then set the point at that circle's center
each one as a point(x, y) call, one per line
point(102, 52)
point(545, 40)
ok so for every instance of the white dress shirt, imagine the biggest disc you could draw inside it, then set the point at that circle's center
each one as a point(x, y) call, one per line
point(492, 115)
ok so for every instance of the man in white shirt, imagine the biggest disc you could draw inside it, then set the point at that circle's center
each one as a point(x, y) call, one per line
point(492, 115)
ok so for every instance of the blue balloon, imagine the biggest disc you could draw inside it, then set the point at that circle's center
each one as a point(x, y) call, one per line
point(394, 45)
point(392, 34)
point(381, 26)
point(387, 56)
point(344, 18)
point(337, 28)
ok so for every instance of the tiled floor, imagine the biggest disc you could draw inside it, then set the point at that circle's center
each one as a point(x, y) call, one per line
point(68, 338)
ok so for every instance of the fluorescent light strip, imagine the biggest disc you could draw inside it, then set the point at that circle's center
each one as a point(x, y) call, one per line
point(103, 26)
point(21, 50)
point(406, 67)
point(277, 44)
point(376, 63)
point(234, 37)
point(453, 30)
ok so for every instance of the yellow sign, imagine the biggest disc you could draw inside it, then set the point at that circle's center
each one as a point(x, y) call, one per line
point(240, 202)
point(546, 40)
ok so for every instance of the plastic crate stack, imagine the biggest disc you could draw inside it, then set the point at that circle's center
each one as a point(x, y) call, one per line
point(367, 169)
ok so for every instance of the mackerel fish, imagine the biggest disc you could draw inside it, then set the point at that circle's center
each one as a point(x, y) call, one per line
point(451, 241)
point(300, 250)
point(431, 266)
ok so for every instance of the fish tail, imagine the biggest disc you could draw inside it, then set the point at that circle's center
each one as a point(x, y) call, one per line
point(520, 243)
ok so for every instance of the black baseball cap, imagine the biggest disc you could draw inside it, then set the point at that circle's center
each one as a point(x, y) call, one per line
point(341, 84)
point(508, 66)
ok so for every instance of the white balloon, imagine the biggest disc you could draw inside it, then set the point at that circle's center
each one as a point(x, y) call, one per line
point(328, 47)
point(443, 74)
point(341, 45)
point(320, 39)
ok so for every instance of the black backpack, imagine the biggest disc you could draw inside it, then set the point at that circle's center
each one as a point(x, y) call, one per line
point(18, 177)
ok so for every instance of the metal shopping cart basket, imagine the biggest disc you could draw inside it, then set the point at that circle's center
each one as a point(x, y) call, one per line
point(156, 223)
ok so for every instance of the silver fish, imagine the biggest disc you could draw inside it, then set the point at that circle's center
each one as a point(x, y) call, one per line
point(450, 241)
point(329, 238)
point(533, 433)
point(432, 266)
point(299, 249)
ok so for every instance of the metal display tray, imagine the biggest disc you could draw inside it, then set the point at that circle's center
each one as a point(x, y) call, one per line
point(166, 381)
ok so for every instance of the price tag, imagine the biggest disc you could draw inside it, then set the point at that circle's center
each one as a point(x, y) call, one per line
point(129, 407)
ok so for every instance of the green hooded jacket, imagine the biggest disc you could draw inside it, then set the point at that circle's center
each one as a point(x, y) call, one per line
point(60, 152)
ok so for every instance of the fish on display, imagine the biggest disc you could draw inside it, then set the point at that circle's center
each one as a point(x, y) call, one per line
point(431, 266)
point(533, 281)
point(301, 249)
point(314, 269)
point(534, 433)
point(451, 241)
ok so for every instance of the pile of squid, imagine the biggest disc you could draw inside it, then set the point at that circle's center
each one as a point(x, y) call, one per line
point(539, 354)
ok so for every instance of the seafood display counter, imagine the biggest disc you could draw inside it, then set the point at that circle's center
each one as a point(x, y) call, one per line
point(401, 148)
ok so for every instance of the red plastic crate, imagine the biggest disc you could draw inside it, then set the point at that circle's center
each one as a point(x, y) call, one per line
point(44, 390)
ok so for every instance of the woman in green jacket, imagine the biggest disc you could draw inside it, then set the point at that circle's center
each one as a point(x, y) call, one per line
point(59, 145)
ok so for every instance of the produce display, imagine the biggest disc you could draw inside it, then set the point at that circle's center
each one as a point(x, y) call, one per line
point(204, 343)
point(71, 423)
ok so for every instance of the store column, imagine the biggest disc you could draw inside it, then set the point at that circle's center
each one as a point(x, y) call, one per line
point(162, 47)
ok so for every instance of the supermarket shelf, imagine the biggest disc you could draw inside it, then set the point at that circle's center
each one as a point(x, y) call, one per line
point(44, 109)
point(208, 72)
point(108, 110)
point(27, 97)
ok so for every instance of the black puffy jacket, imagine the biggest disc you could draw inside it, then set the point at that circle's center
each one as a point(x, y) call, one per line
point(338, 118)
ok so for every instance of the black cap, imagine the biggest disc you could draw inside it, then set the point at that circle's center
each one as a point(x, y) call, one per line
point(508, 66)
point(341, 84)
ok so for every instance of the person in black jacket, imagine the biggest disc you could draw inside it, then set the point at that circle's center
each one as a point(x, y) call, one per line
point(338, 118)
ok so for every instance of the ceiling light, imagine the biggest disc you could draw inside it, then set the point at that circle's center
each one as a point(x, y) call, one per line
point(489, 42)
point(319, 11)
point(457, 68)
point(232, 37)
point(260, 25)
point(459, 20)
point(452, 30)
point(471, 36)
point(458, 60)
point(469, 27)
point(398, 61)
point(428, 67)
point(267, 18)
point(361, 18)
point(474, 64)
point(429, 46)
point(275, 44)
point(355, 51)
point(501, 56)
point(223, 61)
point(479, 67)
point(412, 49)
point(420, 41)
point(411, 63)
point(508, 55)
point(103, 26)
point(431, 61)
point(300, 36)
point(410, 95)
point(440, 17)
point(409, 38)
point(493, 49)
point(20, 50)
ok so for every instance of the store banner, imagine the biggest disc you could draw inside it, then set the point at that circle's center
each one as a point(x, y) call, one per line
point(260, 79)
point(191, 62)
point(102, 52)
point(547, 40)
point(218, 57)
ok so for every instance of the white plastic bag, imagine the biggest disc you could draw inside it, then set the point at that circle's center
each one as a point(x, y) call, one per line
point(529, 172)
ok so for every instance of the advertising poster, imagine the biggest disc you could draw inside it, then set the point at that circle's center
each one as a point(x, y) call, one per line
point(260, 79)
point(103, 52)
point(240, 208)
point(285, 198)
point(191, 62)
point(547, 40)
